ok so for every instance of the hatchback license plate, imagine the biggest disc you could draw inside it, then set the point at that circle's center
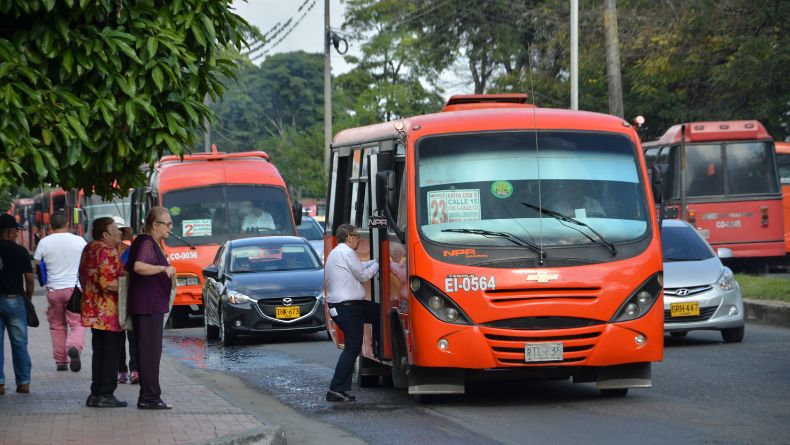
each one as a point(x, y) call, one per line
point(689, 309)
point(542, 352)
point(287, 312)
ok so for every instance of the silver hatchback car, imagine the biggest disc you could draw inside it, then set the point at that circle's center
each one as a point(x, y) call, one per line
point(699, 291)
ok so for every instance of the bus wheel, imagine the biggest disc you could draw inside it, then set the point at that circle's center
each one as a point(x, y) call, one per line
point(614, 392)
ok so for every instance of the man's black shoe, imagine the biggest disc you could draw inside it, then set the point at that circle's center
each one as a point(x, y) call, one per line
point(153, 405)
point(74, 355)
point(108, 402)
point(339, 396)
point(91, 402)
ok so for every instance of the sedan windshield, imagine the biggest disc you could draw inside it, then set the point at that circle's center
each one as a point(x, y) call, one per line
point(684, 244)
point(498, 182)
point(272, 258)
point(212, 215)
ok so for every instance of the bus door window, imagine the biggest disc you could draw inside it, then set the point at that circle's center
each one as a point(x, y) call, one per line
point(359, 180)
point(750, 168)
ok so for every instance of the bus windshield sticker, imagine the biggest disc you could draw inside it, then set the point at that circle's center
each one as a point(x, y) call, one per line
point(501, 189)
point(196, 227)
point(448, 206)
point(175, 211)
point(468, 282)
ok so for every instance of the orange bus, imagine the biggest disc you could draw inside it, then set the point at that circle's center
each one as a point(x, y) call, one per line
point(513, 241)
point(729, 189)
point(208, 196)
point(22, 210)
point(783, 160)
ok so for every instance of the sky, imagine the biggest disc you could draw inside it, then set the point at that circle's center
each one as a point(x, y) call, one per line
point(307, 36)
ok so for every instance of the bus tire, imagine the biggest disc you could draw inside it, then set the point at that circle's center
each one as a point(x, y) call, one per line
point(733, 335)
point(678, 334)
point(400, 360)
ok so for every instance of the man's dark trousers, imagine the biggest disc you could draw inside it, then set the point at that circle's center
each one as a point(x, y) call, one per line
point(104, 363)
point(351, 318)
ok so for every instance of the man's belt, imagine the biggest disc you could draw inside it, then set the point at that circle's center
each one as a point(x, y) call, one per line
point(346, 303)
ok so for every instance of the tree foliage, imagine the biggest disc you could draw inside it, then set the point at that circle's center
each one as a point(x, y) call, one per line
point(93, 89)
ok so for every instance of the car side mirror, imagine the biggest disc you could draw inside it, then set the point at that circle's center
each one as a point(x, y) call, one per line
point(724, 252)
point(212, 272)
point(655, 183)
point(296, 208)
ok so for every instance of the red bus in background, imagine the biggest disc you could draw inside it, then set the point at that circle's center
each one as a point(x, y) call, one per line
point(208, 196)
point(22, 210)
point(783, 160)
point(729, 186)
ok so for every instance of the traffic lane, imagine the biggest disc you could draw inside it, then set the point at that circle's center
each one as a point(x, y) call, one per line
point(703, 392)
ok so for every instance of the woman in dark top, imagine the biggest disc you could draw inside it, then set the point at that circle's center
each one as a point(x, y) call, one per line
point(148, 300)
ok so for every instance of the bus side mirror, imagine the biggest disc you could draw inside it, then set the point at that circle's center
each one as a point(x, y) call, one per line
point(385, 190)
point(297, 212)
point(655, 183)
point(724, 252)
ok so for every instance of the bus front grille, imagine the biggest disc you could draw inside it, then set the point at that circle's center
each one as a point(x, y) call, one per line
point(508, 348)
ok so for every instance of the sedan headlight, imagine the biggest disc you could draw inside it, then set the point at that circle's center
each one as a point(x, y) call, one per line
point(239, 298)
point(726, 280)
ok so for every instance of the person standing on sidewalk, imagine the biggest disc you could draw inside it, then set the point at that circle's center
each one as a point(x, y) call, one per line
point(150, 284)
point(15, 269)
point(127, 374)
point(344, 275)
point(100, 268)
point(61, 252)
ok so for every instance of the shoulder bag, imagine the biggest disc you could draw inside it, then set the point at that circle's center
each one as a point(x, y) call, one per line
point(75, 302)
point(32, 318)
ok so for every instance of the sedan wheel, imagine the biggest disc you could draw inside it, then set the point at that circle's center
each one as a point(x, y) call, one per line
point(211, 331)
point(734, 335)
point(225, 335)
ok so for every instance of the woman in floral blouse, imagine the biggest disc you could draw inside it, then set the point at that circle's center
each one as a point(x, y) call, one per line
point(100, 268)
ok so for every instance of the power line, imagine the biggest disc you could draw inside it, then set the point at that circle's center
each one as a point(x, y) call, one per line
point(287, 33)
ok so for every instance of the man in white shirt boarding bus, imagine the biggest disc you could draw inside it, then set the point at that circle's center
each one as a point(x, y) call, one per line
point(345, 296)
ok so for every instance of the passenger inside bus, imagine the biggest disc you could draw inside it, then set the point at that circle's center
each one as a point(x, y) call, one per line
point(257, 221)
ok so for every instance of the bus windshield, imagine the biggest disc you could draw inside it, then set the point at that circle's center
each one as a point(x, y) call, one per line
point(214, 214)
point(471, 183)
point(94, 207)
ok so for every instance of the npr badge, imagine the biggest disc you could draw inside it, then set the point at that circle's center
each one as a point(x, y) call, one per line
point(377, 222)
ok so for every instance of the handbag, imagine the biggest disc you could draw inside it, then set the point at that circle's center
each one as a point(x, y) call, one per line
point(32, 318)
point(124, 317)
point(75, 302)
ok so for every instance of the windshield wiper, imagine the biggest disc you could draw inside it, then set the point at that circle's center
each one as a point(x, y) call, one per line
point(508, 236)
point(602, 241)
point(191, 246)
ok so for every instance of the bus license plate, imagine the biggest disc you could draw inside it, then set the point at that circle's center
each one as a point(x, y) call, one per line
point(688, 309)
point(542, 352)
point(286, 312)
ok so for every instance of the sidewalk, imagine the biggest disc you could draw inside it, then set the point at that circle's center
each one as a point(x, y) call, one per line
point(55, 413)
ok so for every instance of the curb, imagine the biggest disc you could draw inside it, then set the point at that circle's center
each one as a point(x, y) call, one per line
point(767, 312)
point(271, 435)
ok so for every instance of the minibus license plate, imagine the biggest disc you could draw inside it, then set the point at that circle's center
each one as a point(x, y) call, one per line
point(543, 352)
point(688, 309)
point(287, 312)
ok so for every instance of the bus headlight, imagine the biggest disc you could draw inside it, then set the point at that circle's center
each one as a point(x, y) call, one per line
point(187, 280)
point(438, 304)
point(238, 298)
point(640, 301)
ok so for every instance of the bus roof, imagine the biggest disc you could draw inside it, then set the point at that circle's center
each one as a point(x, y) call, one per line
point(715, 131)
point(203, 169)
point(476, 118)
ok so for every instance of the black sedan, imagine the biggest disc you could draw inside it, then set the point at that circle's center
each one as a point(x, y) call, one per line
point(266, 284)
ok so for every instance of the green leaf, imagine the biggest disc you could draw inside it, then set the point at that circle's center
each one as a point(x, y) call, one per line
point(78, 128)
point(68, 60)
point(153, 44)
point(209, 26)
point(38, 163)
point(49, 4)
point(198, 35)
point(159, 81)
point(73, 154)
point(131, 113)
point(128, 50)
point(146, 106)
point(47, 136)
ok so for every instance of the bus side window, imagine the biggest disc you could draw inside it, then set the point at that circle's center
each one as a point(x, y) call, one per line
point(400, 173)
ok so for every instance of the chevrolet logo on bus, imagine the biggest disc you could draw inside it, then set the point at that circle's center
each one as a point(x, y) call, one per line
point(543, 276)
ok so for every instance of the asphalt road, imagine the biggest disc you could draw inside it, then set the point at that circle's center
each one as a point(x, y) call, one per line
point(704, 392)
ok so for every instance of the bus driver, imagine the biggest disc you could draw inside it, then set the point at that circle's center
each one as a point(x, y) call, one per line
point(257, 220)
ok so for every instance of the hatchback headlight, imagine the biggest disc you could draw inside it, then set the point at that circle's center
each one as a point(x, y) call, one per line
point(726, 280)
point(239, 298)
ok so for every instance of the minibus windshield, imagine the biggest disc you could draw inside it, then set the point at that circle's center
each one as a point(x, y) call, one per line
point(469, 182)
